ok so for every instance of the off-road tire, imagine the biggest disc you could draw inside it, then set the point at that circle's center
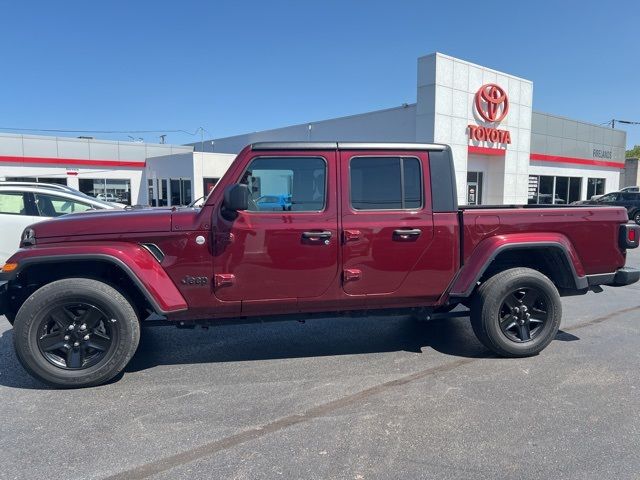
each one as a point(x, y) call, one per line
point(123, 323)
point(489, 303)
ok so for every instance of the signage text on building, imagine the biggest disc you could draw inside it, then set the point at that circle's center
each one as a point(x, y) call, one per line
point(597, 153)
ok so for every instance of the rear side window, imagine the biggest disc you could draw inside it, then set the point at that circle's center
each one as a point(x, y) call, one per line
point(12, 203)
point(386, 183)
point(630, 196)
point(296, 184)
point(54, 206)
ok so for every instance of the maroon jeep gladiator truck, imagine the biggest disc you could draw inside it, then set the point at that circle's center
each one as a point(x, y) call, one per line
point(357, 227)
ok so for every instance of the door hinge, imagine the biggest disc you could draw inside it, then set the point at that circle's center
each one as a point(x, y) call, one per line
point(226, 237)
point(351, 235)
point(351, 274)
point(224, 279)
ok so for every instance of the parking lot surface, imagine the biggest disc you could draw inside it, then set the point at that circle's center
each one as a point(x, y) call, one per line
point(343, 398)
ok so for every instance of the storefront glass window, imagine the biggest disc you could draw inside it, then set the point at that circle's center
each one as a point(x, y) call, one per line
point(151, 201)
point(208, 184)
point(575, 189)
point(595, 186)
point(545, 190)
point(548, 190)
point(110, 190)
point(162, 192)
point(562, 190)
point(180, 191)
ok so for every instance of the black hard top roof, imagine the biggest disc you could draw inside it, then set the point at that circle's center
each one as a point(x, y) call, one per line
point(346, 146)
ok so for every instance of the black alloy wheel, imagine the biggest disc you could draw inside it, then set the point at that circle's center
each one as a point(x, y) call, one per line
point(523, 314)
point(76, 335)
point(76, 332)
point(516, 312)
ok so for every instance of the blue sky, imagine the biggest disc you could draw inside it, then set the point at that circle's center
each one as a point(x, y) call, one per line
point(238, 66)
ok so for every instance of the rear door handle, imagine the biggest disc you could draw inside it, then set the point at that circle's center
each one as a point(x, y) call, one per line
point(405, 234)
point(316, 235)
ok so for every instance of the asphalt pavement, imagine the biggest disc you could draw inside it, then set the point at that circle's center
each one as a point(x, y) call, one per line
point(366, 398)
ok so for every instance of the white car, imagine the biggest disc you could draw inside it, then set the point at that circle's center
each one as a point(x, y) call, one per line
point(107, 197)
point(22, 204)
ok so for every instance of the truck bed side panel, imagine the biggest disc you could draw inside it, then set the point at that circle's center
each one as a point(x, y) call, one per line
point(593, 232)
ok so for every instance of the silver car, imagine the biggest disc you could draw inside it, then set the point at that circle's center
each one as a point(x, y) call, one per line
point(22, 204)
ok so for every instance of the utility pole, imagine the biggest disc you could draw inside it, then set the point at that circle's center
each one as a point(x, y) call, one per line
point(626, 122)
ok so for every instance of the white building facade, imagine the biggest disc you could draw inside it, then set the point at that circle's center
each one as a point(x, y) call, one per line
point(128, 172)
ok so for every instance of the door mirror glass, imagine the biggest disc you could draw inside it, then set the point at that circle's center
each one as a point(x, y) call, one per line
point(236, 197)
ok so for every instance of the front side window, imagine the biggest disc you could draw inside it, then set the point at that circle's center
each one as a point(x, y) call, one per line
point(54, 206)
point(609, 198)
point(277, 184)
point(386, 183)
point(12, 203)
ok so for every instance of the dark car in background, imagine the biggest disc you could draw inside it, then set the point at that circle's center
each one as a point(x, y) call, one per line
point(627, 199)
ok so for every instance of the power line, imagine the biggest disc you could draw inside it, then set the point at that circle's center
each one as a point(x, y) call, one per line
point(613, 121)
point(57, 130)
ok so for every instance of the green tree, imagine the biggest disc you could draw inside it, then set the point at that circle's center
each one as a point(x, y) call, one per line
point(634, 152)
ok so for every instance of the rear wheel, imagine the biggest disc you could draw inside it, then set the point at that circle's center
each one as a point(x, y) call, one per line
point(76, 332)
point(636, 217)
point(516, 313)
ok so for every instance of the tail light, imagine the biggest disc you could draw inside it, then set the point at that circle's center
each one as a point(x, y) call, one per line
point(629, 236)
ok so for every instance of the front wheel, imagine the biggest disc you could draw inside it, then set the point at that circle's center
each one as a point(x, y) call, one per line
point(76, 332)
point(636, 217)
point(516, 313)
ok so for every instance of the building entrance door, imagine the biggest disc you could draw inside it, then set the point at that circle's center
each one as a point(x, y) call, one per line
point(472, 193)
point(474, 188)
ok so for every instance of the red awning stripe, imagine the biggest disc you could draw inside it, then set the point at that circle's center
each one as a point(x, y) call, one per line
point(64, 162)
point(487, 151)
point(579, 161)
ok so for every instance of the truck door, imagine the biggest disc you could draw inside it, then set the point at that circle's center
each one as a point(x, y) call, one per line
point(267, 256)
point(387, 221)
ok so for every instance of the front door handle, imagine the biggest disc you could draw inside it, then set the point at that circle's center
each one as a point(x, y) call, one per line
point(326, 234)
point(406, 234)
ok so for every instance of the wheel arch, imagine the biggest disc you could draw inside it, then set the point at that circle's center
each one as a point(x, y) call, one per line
point(542, 256)
point(33, 272)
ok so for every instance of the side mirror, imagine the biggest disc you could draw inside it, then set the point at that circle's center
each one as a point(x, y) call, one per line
point(236, 197)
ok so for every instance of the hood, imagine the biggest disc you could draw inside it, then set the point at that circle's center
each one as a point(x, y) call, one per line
point(105, 222)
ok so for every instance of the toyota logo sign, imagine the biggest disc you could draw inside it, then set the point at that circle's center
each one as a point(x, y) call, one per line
point(492, 102)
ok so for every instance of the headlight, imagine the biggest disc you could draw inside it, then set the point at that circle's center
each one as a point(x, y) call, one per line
point(28, 238)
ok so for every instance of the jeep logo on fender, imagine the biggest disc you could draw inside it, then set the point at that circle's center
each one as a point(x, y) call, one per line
point(188, 280)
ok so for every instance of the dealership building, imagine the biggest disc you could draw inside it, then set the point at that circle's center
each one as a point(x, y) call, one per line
point(128, 172)
point(504, 152)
